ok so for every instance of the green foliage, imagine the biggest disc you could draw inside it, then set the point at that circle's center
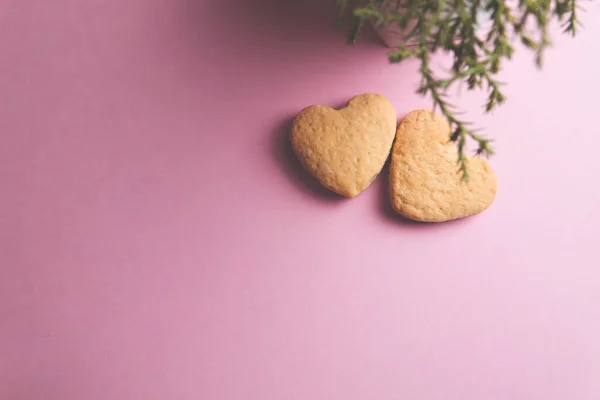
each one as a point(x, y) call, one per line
point(452, 26)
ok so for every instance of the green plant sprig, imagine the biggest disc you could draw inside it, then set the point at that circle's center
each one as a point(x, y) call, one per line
point(452, 26)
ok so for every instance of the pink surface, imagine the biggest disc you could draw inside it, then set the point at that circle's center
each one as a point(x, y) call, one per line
point(158, 242)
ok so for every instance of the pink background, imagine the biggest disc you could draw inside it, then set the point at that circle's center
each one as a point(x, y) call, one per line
point(158, 241)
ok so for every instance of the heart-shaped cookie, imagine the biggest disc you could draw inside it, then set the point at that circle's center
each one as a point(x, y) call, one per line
point(345, 149)
point(424, 181)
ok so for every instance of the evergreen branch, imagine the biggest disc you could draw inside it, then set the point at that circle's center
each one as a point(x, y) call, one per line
point(452, 26)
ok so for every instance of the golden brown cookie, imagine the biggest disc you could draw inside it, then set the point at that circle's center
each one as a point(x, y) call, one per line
point(425, 184)
point(345, 149)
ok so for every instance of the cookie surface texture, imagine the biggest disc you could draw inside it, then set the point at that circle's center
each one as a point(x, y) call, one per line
point(425, 184)
point(345, 149)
